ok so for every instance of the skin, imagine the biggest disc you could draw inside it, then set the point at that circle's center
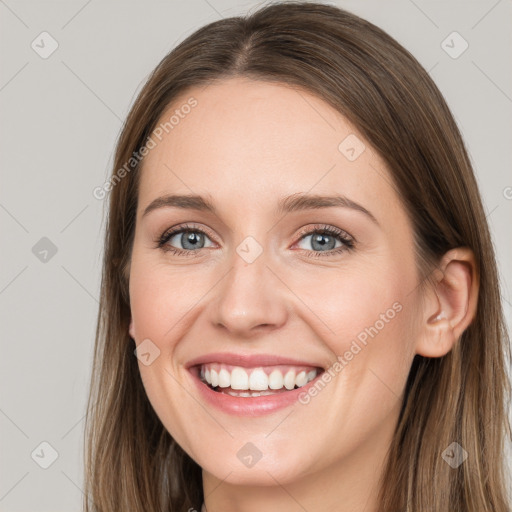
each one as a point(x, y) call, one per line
point(246, 145)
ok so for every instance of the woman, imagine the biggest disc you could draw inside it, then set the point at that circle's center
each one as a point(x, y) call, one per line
point(300, 306)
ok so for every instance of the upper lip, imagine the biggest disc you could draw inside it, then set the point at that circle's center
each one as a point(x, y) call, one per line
point(249, 360)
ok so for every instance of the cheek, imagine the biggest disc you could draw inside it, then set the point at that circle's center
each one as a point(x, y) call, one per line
point(162, 300)
point(370, 333)
point(358, 305)
point(161, 296)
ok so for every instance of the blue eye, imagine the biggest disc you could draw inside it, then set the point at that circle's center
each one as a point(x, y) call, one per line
point(323, 241)
point(192, 239)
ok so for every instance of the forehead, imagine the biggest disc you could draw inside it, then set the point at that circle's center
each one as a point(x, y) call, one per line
point(253, 142)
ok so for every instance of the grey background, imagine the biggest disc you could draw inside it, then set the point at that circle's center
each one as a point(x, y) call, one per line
point(60, 118)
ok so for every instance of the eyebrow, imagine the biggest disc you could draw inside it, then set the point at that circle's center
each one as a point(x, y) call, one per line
point(293, 203)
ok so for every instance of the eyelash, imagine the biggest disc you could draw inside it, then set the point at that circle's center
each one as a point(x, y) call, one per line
point(347, 241)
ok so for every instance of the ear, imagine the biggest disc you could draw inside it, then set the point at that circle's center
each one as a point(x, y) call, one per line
point(131, 329)
point(449, 305)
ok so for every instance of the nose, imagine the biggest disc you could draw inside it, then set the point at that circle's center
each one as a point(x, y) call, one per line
point(250, 300)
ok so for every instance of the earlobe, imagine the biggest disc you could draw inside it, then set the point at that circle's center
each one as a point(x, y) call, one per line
point(450, 305)
point(131, 330)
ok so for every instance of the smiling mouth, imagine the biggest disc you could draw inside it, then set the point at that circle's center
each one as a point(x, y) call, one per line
point(258, 381)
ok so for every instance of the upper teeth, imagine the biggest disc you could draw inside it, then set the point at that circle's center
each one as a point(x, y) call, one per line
point(256, 379)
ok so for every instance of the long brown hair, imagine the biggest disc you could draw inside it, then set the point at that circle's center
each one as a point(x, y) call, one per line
point(132, 463)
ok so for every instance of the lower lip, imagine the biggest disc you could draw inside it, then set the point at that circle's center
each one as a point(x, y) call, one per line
point(250, 406)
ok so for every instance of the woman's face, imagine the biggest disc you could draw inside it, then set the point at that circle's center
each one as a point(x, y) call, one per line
point(260, 295)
